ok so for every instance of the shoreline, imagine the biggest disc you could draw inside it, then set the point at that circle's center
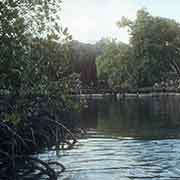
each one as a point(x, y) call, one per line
point(125, 95)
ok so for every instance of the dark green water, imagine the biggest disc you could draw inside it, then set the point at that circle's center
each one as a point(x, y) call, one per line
point(132, 139)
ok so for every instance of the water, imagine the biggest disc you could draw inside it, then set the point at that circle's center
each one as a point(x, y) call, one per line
point(132, 139)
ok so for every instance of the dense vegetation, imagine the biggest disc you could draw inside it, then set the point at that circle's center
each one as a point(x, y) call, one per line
point(84, 57)
point(35, 77)
point(114, 64)
point(152, 54)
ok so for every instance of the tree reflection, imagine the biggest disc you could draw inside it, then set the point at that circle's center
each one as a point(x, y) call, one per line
point(145, 117)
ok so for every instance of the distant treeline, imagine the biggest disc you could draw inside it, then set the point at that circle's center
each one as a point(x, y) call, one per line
point(151, 57)
point(84, 62)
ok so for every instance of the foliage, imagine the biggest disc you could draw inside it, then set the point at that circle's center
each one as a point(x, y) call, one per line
point(29, 61)
point(12, 46)
point(153, 52)
point(83, 61)
point(42, 18)
point(114, 63)
point(35, 78)
point(155, 44)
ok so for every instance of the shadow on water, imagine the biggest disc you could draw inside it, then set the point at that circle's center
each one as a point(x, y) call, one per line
point(145, 117)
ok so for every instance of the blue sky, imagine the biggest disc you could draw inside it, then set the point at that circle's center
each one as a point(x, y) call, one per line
point(90, 20)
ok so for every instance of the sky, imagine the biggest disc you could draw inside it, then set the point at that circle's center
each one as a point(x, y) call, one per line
point(91, 20)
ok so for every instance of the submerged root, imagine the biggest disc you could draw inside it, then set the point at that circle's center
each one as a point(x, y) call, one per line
point(40, 165)
point(26, 127)
point(14, 167)
point(29, 168)
point(57, 164)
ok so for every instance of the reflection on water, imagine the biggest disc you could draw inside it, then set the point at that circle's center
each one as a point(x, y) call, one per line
point(144, 117)
point(130, 139)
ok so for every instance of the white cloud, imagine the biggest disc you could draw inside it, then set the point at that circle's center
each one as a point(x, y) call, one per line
point(91, 20)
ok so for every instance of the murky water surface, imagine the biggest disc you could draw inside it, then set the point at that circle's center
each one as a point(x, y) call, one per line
point(130, 139)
